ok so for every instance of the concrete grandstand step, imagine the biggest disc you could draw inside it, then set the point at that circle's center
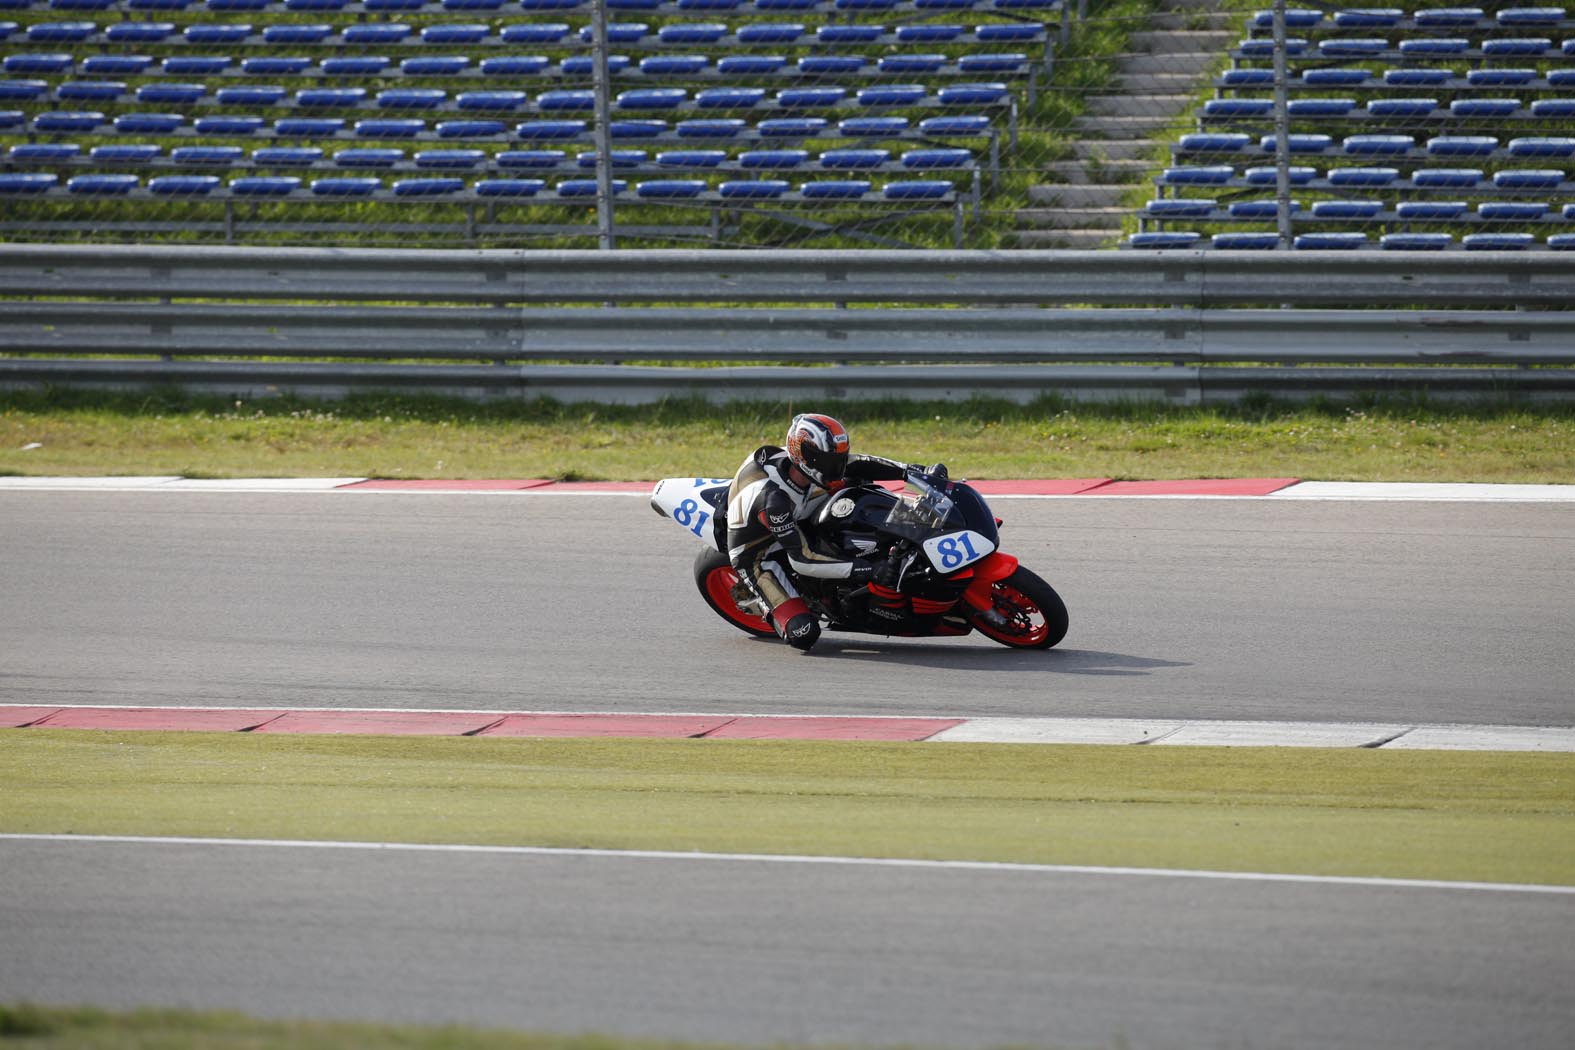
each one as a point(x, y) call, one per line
point(1198, 19)
point(1107, 172)
point(1099, 151)
point(1165, 42)
point(1082, 240)
point(1103, 219)
point(1125, 127)
point(1079, 195)
point(1135, 104)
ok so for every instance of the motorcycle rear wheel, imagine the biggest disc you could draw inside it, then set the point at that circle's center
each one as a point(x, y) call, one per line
point(716, 577)
point(1034, 613)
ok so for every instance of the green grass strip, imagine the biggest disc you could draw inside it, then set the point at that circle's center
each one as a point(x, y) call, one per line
point(166, 433)
point(86, 1028)
point(1496, 817)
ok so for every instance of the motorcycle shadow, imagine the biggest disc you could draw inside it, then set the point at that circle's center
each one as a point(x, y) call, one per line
point(952, 656)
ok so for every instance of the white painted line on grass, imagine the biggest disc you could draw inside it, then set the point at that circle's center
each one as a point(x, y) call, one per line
point(786, 858)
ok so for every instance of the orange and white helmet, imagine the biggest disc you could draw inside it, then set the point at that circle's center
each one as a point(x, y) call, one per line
point(818, 445)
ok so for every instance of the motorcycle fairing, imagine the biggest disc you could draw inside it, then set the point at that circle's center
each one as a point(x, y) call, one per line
point(696, 505)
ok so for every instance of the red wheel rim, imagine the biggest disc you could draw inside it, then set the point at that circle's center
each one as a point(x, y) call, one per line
point(719, 583)
point(1028, 625)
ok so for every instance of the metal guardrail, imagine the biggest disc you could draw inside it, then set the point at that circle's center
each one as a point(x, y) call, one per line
point(581, 325)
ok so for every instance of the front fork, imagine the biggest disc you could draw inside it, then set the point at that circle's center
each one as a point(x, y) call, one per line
point(978, 596)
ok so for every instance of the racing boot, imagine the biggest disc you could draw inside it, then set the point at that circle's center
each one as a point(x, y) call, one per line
point(798, 627)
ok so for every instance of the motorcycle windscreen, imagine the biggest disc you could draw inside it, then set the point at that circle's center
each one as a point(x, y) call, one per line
point(930, 517)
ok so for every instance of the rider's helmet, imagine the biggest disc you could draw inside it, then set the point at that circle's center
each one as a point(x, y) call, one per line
point(818, 445)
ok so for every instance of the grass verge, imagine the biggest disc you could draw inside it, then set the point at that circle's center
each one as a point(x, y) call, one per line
point(86, 1028)
point(1439, 815)
point(369, 436)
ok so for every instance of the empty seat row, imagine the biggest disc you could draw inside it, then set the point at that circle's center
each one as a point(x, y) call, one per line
point(1412, 48)
point(92, 122)
point(273, 95)
point(1431, 77)
point(277, 186)
point(540, 33)
point(1391, 108)
point(508, 66)
point(1187, 239)
point(647, 6)
point(1212, 210)
point(1422, 18)
point(1387, 144)
point(1541, 179)
point(121, 155)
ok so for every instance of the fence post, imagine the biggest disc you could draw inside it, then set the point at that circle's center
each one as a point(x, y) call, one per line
point(603, 90)
point(1282, 137)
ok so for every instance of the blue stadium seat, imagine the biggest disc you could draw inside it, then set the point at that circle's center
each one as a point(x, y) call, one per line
point(50, 62)
point(848, 34)
point(411, 98)
point(810, 97)
point(620, 158)
point(1378, 144)
point(1296, 174)
point(1319, 107)
point(933, 159)
point(753, 189)
point(1512, 211)
point(285, 33)
point(275, 66)
point(469, 129)
point(209, 156)
point(434, 65)
point(1295, 18)
point(1553, 108)
point(1259, 209)
point(673, 65)
point(265, 184)
point(729, 97)
point(549, 130)
point(1417, 77)
point(1008, 32)
point(1180, 207)
point(1562, 242)
point(691, 158)
point(249, 95)
point(750, 65)
point(1352, 47)
point(1346, 209)
point(873, 127)
point(1528, 179)
point(368, 158)
point(1250, 242)
point(1432, 46)
point(1238, 107)
point(1546, 146)
point(772, 159)
point(1461, 145)
point(43, 152)
point(90, 90)
point(770, 33)
point(217, 34)
point(838, 189)
point(929, 34)
point(1211, 175)
point(946, 127)
point(1454, 178)
point(1330, 241)
point(1448, 17)
point(389, 128)
point(586, 187)
point(637, 129)
point(1519, 46)
point(1301, 142)
point(1432, 210)
point(918, 63)
point(670, 188)
point(1500, 77)
point(18, 183)
point(1484, 107)
point(307, 127)
point(449, 159)
point(986, 94)
point(456, 33)
point(68, 121)
point(1166, 239)
point(651, 98)
point(509, 187)
point(1530, 16)
point(1401, 107)
point(691, 33)
point(530, 158)
point(1336, 77)
point(286, 156)
point(1497, 242)
point(490, 101)
point(1215, 142)
point(125, 153)
point(619, 33)
point(853, 159)
point(788, 127)
point(379, 33)
point(102, 185)
point(60, 32)
point(346, 187)
point(715, 128)
point(1363, 176)
point(514, 66)
point(583, 66)
point(831, 65)
point(330, 98)
point(916, 189)
point(1369, 18)
point(534, 33)
point(195, 65)
point(23, 90)
point(891, 95)
point(570, 100)
point(183, 185)
point(1005, 62)
point(440, 187)
point(1416, 242)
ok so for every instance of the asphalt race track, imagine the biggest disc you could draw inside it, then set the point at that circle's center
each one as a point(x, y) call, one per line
point(1238, 609)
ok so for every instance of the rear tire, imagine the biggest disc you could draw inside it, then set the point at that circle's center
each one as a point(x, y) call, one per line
point(716, 577)
point(1036, 616)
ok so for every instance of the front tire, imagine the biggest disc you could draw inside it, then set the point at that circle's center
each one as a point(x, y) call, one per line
point(716, 578)
point(1032, 615)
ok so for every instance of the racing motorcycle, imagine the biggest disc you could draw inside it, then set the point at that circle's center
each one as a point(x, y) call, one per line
point(941, 531)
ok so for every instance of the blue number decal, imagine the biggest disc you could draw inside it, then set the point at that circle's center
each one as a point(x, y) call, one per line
point(685, 514)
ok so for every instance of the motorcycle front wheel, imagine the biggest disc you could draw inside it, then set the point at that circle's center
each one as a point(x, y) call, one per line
point(716, 578)
point(1032, 615)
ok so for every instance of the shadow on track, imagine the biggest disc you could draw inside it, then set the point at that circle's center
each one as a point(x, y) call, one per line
point(955, 657)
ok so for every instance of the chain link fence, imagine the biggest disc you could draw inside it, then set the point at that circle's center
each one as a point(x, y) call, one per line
point(785, 123)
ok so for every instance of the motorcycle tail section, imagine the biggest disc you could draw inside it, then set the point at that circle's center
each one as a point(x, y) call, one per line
point(696, 505)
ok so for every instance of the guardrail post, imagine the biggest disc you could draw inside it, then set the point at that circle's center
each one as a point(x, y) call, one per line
point(601, 85)
point(1282, 136)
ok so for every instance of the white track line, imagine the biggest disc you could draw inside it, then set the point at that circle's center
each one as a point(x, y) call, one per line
point(773, 858)
point(1305, 490)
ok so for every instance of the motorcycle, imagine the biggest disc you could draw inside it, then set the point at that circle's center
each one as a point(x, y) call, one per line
point(941, 531)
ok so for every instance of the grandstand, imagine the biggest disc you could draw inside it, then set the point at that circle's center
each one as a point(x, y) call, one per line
point(834, 123)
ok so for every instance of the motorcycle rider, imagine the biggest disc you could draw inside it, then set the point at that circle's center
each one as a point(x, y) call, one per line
point(779, 487)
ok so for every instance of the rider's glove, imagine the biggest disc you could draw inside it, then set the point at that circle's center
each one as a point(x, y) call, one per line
point(938, 472)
